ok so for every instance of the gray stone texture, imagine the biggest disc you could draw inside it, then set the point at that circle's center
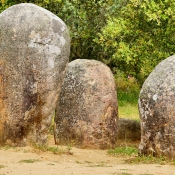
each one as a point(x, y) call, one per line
point(87, 114)
point(128, 129)
point(157, 111)
point(34, 51)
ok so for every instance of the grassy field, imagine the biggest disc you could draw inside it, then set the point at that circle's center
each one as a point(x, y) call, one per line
point(127, 94)
point(129, 110)
point(128, 104)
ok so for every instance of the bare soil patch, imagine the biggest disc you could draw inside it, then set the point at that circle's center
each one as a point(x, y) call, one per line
point(30, 161)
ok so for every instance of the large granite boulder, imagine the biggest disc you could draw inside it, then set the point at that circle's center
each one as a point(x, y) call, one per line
point(34, 51)
point(87, 114)
point(157, 111)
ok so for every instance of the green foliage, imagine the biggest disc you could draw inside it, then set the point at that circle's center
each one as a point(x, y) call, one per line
point(4, 4)
point(139, 36)
point(85, 19)
point(132, 36)
point(127, 88)
point(128, 94)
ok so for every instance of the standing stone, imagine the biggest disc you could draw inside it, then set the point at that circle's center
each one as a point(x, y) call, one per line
point(34, 51)
point(87, 113)
point(157, 111)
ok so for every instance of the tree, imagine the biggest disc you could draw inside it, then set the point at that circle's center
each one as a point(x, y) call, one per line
point(131, 36)
point(139, 36)
point(83, 18)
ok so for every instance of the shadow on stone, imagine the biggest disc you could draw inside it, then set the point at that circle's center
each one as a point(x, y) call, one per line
point(129, 129)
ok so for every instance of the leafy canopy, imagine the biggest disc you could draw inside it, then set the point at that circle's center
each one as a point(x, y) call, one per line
point(139, 36)
point(130, 36)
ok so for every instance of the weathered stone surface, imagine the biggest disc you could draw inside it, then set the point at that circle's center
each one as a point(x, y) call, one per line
point(87, 113)
point(157, 110)
point(128, 129)
point(34, 51)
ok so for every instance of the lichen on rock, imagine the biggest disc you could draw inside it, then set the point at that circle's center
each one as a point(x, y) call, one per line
point(157, 111)
point(87, 114)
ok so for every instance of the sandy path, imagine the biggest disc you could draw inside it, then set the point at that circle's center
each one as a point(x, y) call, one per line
point(82, 162)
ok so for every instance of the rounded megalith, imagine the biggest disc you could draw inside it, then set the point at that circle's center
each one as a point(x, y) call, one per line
point(87, 112)
point(157, 111)
point(34, 52)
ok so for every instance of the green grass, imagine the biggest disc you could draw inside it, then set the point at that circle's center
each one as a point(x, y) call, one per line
point(54, 150)
point(123, 173)
point(7, 147)
point(128, 111)
point(123, 151)
point(150, 160)
point(2, 166)
point(99, 164)
point(127, 95)
point(28, 161)
point(132, 152)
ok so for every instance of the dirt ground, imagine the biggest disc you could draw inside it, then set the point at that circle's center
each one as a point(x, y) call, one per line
point(16, 161)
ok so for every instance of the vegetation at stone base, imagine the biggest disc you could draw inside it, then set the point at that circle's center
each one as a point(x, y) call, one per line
point(55, 149)
point(123, 151)
point(132, 153)
point(150, 160)
point(7, 147)
point(132, 36)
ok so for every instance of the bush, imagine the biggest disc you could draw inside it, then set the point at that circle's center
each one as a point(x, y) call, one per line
point(127, 89)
